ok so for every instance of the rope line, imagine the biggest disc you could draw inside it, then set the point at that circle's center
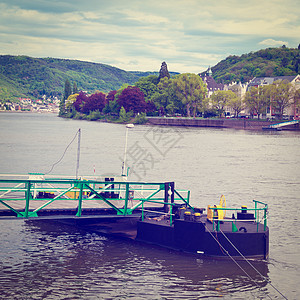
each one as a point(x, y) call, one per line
point(262, 276)
point(234, 259)
point(63, 153)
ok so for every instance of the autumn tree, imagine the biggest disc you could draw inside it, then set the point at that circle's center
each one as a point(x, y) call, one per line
point(191, 90)
point(94, 102)
point(111, 107)
point(132, 99)
point(111, 96)
point(70, 101)
point(80, 101)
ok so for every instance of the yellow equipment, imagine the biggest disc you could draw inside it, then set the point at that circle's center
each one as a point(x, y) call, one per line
point(217, 214)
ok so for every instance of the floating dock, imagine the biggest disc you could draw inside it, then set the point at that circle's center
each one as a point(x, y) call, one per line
point(155, 213)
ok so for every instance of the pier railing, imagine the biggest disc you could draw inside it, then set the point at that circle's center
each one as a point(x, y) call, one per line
point(27, 198)
point(258, 218)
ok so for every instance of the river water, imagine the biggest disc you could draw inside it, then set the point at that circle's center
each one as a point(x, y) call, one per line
point(50, 261)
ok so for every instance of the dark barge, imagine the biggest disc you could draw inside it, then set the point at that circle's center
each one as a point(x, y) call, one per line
point(154, 213)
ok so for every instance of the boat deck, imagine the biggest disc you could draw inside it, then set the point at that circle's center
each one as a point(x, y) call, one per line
point(249, 226)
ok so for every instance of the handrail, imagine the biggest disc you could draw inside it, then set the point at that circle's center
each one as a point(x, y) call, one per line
point(255, 209)
point(82, 190)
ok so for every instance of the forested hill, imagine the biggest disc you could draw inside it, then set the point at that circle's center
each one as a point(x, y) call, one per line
point(267, 62)
point(23, 76)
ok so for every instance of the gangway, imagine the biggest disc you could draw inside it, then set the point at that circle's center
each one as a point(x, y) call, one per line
point(154, 213)
point(278, 126)
point(38, 197)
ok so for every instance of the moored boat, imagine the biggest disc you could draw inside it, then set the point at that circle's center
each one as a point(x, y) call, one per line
point(155, 213)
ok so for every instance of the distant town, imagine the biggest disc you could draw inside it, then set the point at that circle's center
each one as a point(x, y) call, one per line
point(44, 105)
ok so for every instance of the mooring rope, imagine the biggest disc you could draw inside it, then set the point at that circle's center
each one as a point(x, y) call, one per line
point(77, 132)
point(233, 259)
point(265, 278)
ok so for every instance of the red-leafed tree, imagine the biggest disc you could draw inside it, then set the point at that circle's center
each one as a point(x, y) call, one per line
point(132, 99)
point(111, 96)
point(80, 100)
point(150, 107)
point(94, 102)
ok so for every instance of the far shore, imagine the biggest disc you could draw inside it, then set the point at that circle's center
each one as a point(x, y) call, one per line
point(234, 123)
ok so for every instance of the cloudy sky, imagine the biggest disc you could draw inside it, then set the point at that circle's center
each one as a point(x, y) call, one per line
point(137, 35)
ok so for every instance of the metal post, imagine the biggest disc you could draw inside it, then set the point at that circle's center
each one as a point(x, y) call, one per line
point(171, 215)
point(27, 196)
point(126, 199)
point(80, 200)
point(218, 226)
point(172, 184)
point(188, 197)
point(265, 218)
point(166, 198)
point(257, 220)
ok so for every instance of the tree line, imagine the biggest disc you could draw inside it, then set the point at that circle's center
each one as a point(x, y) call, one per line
point(276, 96)
point(184, 95)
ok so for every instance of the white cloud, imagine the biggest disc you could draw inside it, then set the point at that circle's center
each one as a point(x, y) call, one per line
point(273, 43)
point(136, 35)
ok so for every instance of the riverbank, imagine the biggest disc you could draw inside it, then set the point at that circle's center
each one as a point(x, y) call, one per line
point(246, 124)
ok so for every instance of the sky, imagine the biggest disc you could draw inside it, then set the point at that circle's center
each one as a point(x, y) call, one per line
point(133, 35)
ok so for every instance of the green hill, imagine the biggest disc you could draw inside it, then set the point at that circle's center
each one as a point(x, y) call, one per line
point(267, 62)
point(22, 76)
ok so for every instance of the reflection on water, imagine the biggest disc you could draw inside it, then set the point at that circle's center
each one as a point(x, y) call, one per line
point(51, 261)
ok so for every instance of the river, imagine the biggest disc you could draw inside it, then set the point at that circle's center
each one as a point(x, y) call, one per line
point(43, 261)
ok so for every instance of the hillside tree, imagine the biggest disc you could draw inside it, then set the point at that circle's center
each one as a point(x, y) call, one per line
point(75, 89)
point(68, 89)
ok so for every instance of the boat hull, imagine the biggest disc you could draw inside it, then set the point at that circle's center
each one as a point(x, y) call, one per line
point(198, 238)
